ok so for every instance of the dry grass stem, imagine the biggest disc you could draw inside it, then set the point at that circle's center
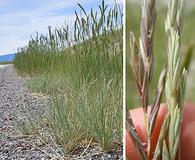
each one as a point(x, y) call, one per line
point(135, 137)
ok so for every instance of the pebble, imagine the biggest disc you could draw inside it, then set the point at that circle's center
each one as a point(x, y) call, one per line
point(17, 104)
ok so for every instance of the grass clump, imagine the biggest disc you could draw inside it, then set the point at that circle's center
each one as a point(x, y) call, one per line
point(65, 127)
point(104, 109)
point(80, 66)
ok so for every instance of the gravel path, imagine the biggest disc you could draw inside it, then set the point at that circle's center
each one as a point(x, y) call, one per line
point(17, 105)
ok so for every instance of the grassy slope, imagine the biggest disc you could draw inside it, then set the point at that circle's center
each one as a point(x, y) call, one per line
point(133, 21)
point(85, 82)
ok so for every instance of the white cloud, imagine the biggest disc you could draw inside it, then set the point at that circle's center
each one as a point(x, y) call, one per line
point(16, 27)
point(17, 23)
point(14, 35)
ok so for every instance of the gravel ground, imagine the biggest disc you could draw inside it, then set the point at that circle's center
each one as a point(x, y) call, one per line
point(17, 105)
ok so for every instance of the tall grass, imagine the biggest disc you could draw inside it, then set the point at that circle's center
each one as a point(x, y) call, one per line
point(80, 66)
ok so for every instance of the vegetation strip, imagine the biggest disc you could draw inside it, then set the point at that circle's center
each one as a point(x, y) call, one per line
point(80, 67)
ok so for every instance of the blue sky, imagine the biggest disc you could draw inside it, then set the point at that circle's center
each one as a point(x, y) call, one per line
point(21, 18)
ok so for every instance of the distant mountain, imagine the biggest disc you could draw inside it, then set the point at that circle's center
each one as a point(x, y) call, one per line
point(7, 57)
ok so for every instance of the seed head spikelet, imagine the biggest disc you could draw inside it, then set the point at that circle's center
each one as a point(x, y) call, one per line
point(142, 64)
point(146, 45)
point(175, 84)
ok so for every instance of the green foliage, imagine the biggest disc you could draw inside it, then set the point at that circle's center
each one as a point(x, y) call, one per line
point(64, 125)
point(27, 128)
point(103, 110)
point(80, 66)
